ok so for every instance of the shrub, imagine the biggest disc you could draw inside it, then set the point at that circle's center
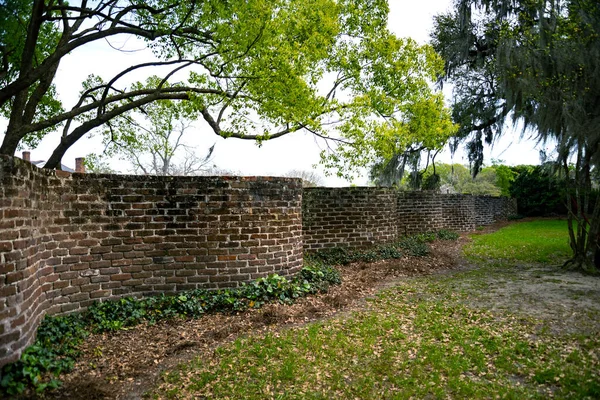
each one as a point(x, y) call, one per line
point(53, 353)
point(447, 235)
point(414, 246)
point(344, 256)
point(538, 191)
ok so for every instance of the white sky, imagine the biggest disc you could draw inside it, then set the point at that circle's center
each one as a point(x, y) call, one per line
point(299, 151)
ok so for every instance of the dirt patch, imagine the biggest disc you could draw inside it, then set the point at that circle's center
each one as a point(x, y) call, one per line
point(568, 302)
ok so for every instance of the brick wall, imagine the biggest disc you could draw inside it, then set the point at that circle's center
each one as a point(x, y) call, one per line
point(348, 217)
point(360, 217)
point(490, 209)
point(418, 212)
point(68, 240)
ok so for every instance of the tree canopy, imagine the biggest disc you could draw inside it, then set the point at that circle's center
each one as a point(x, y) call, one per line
point(251, 69)
point(537, 62)
point(494, 180)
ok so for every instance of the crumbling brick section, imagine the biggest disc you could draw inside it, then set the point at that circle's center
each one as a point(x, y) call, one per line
point(68, 240)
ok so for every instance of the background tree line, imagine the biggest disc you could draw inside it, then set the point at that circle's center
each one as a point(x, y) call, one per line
point(537, 189)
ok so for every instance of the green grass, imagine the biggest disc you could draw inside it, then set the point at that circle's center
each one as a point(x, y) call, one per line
point(421, 339)
point(408, 346)
point(544, 241)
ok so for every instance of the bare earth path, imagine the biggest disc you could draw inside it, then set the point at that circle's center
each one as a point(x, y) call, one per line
point(568, 302)
point(126, 364)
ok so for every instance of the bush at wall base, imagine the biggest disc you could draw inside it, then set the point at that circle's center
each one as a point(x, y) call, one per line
point(415, 245)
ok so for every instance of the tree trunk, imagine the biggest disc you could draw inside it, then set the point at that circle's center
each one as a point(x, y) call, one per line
point(584, 228)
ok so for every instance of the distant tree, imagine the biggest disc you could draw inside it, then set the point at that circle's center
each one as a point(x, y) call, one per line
point(505, 176)
point(449, 175)
point(484, 184)
point(151, 139)
point(457, 178)
point(309, 178)
point(423, 135)
point(98, 165)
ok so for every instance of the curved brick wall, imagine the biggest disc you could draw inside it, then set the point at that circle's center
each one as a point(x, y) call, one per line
point(67, 240)
point(355, 217)
point(362, 217)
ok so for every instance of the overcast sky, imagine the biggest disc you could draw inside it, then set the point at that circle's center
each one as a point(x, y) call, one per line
point(299, 150)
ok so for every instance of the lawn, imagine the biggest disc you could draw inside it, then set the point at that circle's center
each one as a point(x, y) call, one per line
point(437, 336)
point(543, 241)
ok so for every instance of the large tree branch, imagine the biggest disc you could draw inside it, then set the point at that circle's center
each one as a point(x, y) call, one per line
point(29, 76)
point(27, 59)
point(178, 93)
point(227, 134)
point(33, 31)
point(67, 141)
point(38, 94)
point(186, 63)
point(107, 17)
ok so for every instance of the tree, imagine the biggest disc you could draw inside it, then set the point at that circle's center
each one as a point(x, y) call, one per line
point(505, 176)
point(425, 129)
point(256, 70)
point(457, 178)
point(535, 61)
point(152, 137)
point(309, 178)
point(538, 191)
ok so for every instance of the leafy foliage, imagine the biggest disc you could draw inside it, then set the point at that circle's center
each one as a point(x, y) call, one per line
point(251, 69)
point(344, 256)
point(445, 234)
point(427, 134)
point(53, 353)
point(505, 176)
point(15, 53)
point(538, 191)
point(536, 61)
